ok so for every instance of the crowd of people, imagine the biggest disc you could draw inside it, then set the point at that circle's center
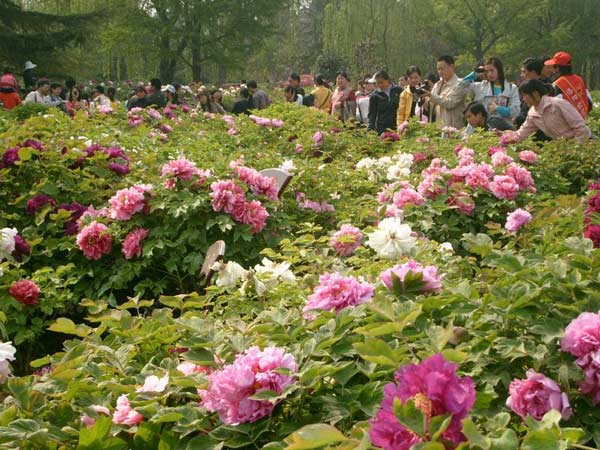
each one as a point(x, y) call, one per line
point(549, 101)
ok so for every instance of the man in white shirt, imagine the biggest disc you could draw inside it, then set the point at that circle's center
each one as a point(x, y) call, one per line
point(41, 95)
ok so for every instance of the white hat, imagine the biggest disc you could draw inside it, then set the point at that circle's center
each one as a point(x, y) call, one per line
point(169, 88)
point(372, 80)
point(30, 65)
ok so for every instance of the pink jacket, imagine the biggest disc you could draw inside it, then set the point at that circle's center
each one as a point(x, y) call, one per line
point(557, 118)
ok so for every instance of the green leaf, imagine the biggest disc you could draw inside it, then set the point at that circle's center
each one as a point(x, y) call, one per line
point(314, 436)
point(67, 326)
point(508, 441)
point(476, 439)
point(428, 446)
point(25, 153)
point(377, 351)
point(547, 439)
point(91, 438)
point(411, 417)
point(437, 426)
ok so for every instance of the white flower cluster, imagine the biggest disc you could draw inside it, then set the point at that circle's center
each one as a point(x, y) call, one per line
point(263, 277)
point(7, 242)
point(7, 353)
point(396, 167)
point(392, 238)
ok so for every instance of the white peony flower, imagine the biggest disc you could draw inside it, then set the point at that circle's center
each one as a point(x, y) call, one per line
point(154, 384)
point(446, 247)
point(288, 165)
point(392, 238)
point(7, 242)
point(365, 163)
point(7, 353)
point(274, 271)
point(396, 172)
point(229, 274)
point(404, 160)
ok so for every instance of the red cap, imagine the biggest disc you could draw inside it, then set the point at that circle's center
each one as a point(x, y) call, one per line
point(559, 59)
point(8, 82)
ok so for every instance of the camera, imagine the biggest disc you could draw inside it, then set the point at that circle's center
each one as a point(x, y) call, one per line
point(422, 88)
point(479, 69)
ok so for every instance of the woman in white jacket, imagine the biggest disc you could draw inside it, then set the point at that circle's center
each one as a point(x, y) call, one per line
point(500, 98)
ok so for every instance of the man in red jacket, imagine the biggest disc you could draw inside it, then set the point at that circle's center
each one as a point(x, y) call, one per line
point(569, 86)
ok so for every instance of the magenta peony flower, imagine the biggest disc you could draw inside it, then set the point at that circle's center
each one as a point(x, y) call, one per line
point(252, 372)
point(77, 211)
point(389, 136)
point(517, 219)
point(120, 169)
point(165, 128)
point(433, 282)
point(346, 240)
point(124, 414)
point(504, 187)
point(21, 248)
point(94, 240)
point(32, 143)
point(337, 292)
point(582, 335)
point(37, 202)
point(590, 385)
point(25, 292)
point(537, 395)
point(10, 157)
point(407, 196)
point(126, 202)
point(436, 390)
point(252, 213)
point(132, 244)
point(593, 232)
point(528, 156)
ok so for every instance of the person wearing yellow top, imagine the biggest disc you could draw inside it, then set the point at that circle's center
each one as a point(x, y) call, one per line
point(322, 95)
point(409, 97)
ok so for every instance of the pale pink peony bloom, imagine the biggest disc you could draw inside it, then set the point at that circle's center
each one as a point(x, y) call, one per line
point(94, 240)
point(124, 414)
point(181, 168)
point(231, 388)
point(87, 420)
point(258, 183)
point(504, 187)
point(433, 282)
point(346, 240)
point(188, 368)
point(528, 156)
point(132, 244)
point(126, 202)
point(582, 335)
point(318, 138)
point(517, 219)
point(337, 292)
point(154, 384)
point(299, 149)
point(393, 211)
point(501, 159)
point(407, 196)
point(537, 395)
point(463, 202)
point(479, 176)
point(232, 132)
point(154, 114)
point(99, 409)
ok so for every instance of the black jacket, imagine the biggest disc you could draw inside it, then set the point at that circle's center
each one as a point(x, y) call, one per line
point(383, 109)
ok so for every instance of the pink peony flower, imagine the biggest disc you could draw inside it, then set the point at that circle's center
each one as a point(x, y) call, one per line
point(528, 156)
point(165, 128)
point(232, 132)
point(393, 211)
point(407, 196)
point(231, 388)
point(389, 136)
point(182, 169)
point(429, 276)
point(337, 292)
point(299, 149)
point(582, 335)
point(188, 368)
point(318, 138)
point(501, 159)
point(21, 248)
point(154, 114)
point(517, 219)
point(258, 183)
point(25, 292)
point(94, 240)
point(126, 202)
point(124, 414)
point(537, 395)
point(522, 176)
point(463, 202)
point(346, 240)
point(254, 214)
point(504, 187)
point(436, 390)
point(87, 420)
point(479, 175)
point(132, 244)
point(590, 385)
point(226, 195)
point(431, 186)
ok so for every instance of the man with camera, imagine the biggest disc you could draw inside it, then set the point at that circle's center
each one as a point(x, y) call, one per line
point(447, 95)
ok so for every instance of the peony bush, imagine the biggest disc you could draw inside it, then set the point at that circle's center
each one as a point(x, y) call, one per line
point(416, 291)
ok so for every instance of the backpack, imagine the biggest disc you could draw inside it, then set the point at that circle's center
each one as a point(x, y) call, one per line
point(308, 100)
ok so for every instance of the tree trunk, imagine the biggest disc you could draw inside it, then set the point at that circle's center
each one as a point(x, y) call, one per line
point(122, 69)
point(196, 62)
point(113, 68)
